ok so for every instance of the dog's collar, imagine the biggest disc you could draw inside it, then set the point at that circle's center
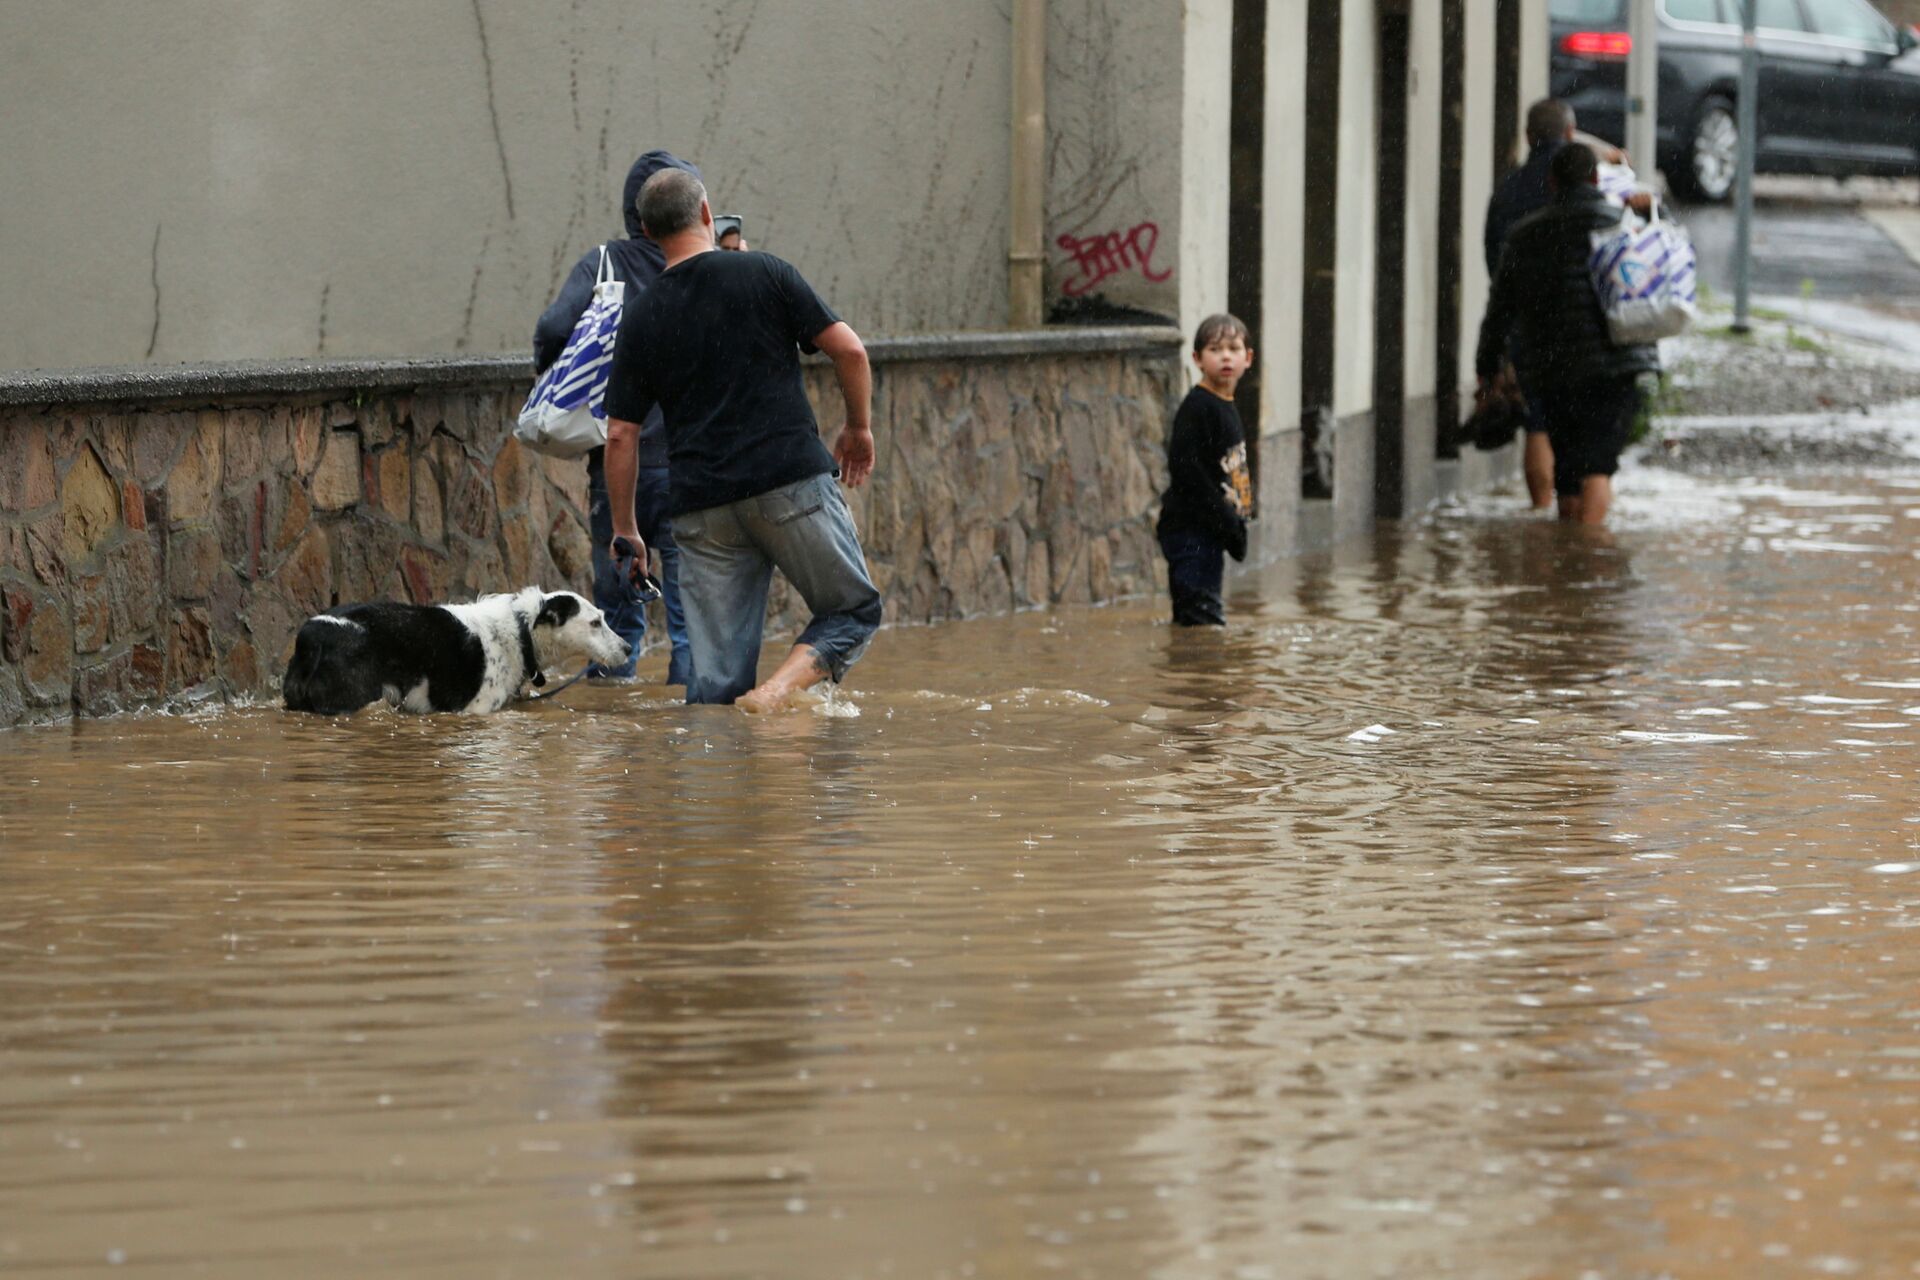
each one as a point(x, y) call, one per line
point(527, 660)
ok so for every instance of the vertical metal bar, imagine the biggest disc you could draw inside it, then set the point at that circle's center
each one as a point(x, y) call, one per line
point(1026, 255)
point(1507, 28)
point(1320, 247)
point(1451, 252)
point(1748, 112)
point(1393, 58)
point(1246, 204)
point(1643, 87)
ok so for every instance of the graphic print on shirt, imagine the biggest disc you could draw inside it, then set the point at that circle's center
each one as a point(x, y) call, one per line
point(1238, 486)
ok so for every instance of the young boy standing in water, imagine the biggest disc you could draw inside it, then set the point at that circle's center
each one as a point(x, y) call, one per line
point(1209, 495)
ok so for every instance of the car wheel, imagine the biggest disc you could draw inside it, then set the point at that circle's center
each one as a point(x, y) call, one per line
point(1713, 151)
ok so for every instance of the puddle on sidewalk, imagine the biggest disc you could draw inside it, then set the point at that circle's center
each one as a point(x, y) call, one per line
point(1483, 902)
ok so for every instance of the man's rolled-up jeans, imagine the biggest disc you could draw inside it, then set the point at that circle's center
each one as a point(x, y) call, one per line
point(727, 557)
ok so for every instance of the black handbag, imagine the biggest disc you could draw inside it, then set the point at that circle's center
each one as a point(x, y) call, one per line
point(1494, 423)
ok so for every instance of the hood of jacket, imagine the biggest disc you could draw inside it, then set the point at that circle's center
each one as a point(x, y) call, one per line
point(645, 167)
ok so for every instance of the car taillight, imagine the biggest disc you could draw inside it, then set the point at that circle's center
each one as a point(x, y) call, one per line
point(1598, 44)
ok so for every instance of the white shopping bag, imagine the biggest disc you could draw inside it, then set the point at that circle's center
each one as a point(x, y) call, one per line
point(1643, 273)
point(1617, 182)
point(566, 413)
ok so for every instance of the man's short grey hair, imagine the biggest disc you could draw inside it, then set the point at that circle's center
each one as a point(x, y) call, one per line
point(1548, 120)
point(670, 203)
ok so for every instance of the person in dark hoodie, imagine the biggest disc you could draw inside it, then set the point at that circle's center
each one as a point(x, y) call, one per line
point(637, 261)
point(1543, 310)
point(1522, 193)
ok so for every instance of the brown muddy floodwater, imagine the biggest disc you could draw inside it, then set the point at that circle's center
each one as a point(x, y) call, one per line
point(1483, 903)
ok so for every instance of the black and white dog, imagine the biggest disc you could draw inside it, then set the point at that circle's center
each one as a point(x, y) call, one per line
point(449, 657)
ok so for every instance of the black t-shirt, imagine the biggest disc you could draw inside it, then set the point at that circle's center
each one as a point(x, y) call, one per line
point(716, 342)
point(1208, 490)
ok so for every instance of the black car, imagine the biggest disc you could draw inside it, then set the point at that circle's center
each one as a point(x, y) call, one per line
point(1839, 86)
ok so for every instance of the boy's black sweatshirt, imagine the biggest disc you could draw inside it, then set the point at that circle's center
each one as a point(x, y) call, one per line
point(1208, 491)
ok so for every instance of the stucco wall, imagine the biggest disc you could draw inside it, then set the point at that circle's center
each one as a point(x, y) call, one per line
point(1114, 158)
point(1536, 53)
point(1476, 179)
point(225, 179)
point(219, 180)
point(1353, 300)
point(1283, 210)
point(1423, 198)
point(1206, 154)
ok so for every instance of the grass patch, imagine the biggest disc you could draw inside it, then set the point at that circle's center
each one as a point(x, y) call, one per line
point(1794, 340)
point(1660, 399)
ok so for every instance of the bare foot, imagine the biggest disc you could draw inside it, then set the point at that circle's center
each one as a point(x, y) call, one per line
point(801, 670)
point(764, 701)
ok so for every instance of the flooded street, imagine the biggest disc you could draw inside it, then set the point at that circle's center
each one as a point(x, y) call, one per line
point(1485, 902)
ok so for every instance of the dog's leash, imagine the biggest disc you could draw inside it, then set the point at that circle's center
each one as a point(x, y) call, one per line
point(625, 574)
point(530, 669)
point(562, 687)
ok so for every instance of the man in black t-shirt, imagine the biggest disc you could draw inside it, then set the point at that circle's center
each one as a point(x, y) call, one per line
point(716, 343)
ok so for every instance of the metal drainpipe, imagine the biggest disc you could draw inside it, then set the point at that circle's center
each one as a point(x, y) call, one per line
point(1747, 109)
point(1026, 254)
point(1643, 89)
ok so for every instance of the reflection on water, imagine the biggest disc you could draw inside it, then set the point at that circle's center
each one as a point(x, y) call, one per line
point(1485, 901)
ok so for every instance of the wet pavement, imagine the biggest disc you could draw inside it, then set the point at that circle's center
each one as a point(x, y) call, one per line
point(1488, 900)
point(1816, 238)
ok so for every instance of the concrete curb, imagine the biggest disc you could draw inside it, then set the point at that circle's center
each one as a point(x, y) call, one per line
point(266, 379)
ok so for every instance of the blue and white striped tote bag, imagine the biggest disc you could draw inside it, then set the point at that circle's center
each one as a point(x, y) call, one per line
point(566, 414)
point(1643, 273)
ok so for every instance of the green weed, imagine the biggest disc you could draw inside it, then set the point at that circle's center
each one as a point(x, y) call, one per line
point(1660, 399)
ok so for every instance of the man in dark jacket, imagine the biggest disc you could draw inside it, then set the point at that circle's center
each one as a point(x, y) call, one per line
point(1550, 126)
point(636, 262)
point(1544, 312)
point(1522, 193)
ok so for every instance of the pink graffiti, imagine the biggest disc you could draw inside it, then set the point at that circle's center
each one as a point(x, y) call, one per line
point(1098, 256)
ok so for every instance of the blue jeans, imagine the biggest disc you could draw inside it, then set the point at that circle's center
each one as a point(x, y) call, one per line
point(1196, 569)
point(650, 513)
point(727, 556)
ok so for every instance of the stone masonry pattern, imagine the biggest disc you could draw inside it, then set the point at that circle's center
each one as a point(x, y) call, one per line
point(161, 556)
point(169, 556)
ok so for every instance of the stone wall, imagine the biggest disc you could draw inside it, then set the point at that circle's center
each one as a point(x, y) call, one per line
point(156, 554)
point(1013, 482)
point(164, 533)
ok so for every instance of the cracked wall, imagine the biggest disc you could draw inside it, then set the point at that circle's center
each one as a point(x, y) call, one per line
point(1115, 164)
point(275, 179)
point(205, 180)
